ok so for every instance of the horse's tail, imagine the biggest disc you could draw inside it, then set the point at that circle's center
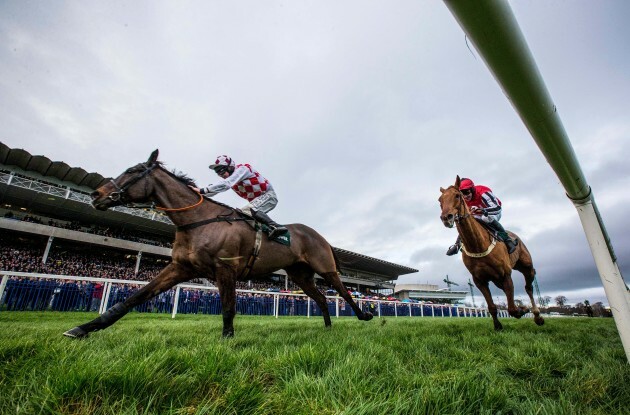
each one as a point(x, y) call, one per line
point(335, 258)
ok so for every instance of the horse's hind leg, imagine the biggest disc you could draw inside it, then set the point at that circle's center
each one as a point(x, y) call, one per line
point(530, 273)
point(508, 289)
point(333, 279)
point(492, 308)
point(167, 278)
point(303, 276)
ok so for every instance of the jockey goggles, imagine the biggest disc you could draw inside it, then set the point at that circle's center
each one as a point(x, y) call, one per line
point(220, 169)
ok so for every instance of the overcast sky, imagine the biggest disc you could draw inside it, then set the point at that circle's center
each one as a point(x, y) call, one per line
point(356, 111)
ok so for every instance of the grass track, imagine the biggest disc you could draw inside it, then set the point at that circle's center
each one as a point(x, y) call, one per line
point(151, 364)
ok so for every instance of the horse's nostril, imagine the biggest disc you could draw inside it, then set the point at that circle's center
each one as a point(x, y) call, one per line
point(450, 216)
point(95, 194)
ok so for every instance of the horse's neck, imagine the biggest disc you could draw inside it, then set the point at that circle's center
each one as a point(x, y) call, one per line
point(172, 194)
point(474, 236)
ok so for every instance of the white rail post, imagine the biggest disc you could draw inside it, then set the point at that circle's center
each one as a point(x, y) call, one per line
point(614, 286)
point(176, 302)
point(3, 284)
point(105, 297)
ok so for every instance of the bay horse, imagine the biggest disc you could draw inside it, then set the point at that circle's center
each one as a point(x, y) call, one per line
point(486, 259)
point(213, 241)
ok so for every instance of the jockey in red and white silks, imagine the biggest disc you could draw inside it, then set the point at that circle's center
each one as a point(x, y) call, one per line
point(248, 184)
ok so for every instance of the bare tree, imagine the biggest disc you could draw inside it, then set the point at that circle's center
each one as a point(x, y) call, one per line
point(561, 300)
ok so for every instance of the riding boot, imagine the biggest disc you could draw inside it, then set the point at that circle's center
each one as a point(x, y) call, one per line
point(503, 235)
point(275, 229)
point(453, 249)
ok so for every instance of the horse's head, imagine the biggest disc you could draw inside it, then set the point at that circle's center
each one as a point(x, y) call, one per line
point(131, 186)
point(452, 204)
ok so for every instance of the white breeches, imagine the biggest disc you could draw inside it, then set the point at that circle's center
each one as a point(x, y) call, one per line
point(265, 202)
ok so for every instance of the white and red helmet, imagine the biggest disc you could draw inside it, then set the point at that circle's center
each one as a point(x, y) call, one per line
point(223, 161)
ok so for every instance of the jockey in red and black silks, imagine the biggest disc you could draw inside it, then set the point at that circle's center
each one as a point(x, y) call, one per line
point(486, 207)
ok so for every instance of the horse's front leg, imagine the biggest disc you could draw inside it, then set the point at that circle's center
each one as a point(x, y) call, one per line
point(166, 279)
point(226, 282)
point(492, 307)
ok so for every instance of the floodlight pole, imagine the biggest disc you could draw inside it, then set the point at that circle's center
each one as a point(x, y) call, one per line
point(472, 295)
point(492, 28)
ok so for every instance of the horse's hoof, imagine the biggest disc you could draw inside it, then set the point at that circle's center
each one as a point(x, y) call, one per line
point(76, 333)
point(539, 320)
point(228, 334)
point(367, 316)
point(498, 327)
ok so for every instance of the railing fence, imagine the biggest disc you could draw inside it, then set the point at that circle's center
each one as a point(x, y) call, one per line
point(43, 292)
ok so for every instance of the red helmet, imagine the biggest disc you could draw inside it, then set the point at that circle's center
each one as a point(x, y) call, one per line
point(466, 184)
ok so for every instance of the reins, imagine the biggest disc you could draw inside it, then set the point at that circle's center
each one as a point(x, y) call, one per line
point(458, 218)
point(121, 190)
point(165, 209)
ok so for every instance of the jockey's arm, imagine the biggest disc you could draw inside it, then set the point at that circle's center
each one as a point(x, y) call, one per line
point(491, 204)
point(225, 184)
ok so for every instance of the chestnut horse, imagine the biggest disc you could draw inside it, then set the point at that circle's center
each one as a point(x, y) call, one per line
point(214, 241)
point(486, 259)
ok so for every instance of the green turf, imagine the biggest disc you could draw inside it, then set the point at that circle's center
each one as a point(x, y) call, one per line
point(151, 364)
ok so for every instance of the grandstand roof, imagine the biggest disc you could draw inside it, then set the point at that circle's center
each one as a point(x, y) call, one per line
point(353, 260)
point(46, 167)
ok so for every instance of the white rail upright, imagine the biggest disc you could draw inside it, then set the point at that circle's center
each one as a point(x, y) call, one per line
point(492, 28)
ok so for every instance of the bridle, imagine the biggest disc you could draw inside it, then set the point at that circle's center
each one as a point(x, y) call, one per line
point(459, 217)
point(120, 195)
point(461, 208)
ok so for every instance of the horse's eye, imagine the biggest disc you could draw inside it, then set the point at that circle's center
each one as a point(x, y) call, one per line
point(457, 196)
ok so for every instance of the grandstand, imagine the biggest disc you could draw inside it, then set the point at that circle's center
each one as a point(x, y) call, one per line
point(46, 214)
point(429, 292)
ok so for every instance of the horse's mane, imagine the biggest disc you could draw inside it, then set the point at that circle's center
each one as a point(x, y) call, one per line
point(183, 178)
point(178, 175)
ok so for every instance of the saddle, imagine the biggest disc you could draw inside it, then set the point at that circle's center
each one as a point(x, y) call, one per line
point(493, 232)
point(284, 239)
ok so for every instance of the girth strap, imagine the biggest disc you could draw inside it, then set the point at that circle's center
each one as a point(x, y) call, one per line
point(207, 221)
point(253, 256)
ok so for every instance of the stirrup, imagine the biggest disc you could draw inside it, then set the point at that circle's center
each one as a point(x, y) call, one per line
point(453, 250)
